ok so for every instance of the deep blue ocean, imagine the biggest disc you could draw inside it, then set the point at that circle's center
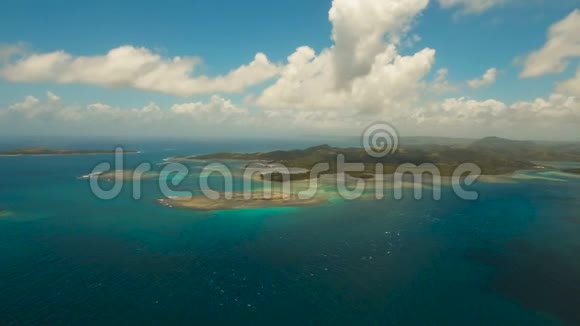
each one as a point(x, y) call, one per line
point(68, 258)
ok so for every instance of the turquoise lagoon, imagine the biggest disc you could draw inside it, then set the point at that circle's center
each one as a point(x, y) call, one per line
point(510, 257)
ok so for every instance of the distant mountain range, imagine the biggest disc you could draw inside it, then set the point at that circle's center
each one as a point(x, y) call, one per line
point(529, 150)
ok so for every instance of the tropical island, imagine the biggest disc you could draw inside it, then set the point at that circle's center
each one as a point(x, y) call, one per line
point(495, 156)
point(238, 201)
point(498, 158)
point(53, 151)
point(120, 175)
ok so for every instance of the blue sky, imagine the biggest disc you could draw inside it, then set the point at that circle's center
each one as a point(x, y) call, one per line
point(227, 34)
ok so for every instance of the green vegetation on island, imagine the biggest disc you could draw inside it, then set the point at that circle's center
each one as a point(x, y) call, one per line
point(573, 171)
point(528, 150)
point(495, 156)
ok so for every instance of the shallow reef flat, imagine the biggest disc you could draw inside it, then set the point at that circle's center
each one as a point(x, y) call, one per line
point(5, 213)
point(123, 175)
point(498, 179)
point(238, 201)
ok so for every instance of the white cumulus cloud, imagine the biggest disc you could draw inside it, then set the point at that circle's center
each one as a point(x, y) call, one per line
point(488, 78)
point(441, 83)
point(563, 44)
point(139, 68)
point(472, 6)
point(53, 97)
point(571, 86)
point(217, 115)
point(363, 71)
point(533, 119)
point(359, 29)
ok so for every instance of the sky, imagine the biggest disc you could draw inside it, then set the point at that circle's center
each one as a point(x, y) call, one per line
point(257, 68)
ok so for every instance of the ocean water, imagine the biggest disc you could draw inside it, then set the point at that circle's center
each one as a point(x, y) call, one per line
point(66, 257)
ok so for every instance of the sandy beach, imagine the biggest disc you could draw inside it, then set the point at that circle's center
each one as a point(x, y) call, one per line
point(257, 200)
point(124, 175)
